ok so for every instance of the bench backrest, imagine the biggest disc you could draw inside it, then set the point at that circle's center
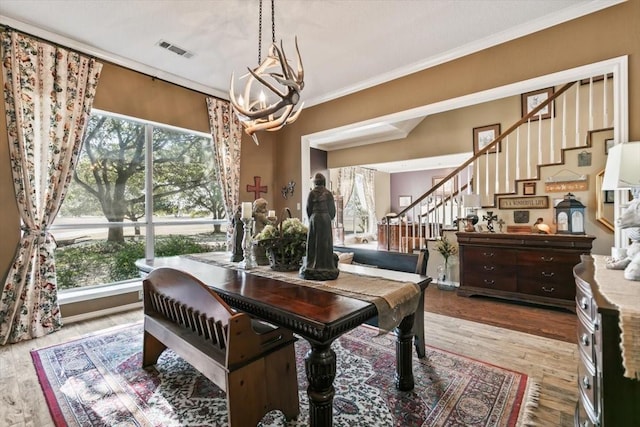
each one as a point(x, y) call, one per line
point(396, 261)
point(187, 302)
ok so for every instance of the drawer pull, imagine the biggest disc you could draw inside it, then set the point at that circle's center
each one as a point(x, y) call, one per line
point(546, 259)
point(488, 254)
point(544, 288)
point(585, 340)
point(584, 303)
point(585, 382)
point(488, 267)
point(545, 274)
point(489, 282)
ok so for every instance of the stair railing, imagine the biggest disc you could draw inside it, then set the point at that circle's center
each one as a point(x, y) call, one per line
point(434, 229)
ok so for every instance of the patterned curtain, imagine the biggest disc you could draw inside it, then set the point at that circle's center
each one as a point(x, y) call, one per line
point(345, 183)
point(369, 185)
point(48, 94)
point(226, 132)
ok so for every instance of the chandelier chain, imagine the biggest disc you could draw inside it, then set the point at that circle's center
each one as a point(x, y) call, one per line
point(273, 21)
point(273, 28)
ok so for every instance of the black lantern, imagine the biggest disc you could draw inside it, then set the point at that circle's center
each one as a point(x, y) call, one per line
point(570, 216)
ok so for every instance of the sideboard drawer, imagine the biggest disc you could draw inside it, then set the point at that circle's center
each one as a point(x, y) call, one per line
point(547, 258)
point(494, 280)
point(588, 385)
point(489, 256)
point(546, 287)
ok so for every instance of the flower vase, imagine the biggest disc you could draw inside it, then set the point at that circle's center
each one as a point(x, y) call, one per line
point(445, 276)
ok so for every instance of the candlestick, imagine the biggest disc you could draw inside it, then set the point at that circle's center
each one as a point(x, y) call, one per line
point(271, 214)
point(246, 210)
point(249, 261)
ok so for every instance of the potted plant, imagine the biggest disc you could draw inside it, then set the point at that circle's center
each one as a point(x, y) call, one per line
point(446, 249)
point(285, 243)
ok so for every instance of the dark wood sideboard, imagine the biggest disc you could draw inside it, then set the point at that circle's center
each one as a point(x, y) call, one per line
point(535, 268)
point(606, 398)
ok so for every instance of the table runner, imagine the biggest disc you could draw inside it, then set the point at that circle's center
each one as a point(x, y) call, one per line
point(624, 294)
point(394, 300)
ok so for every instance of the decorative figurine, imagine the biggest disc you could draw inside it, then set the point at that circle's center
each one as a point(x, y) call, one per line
point(237, 254)
point(320, 262)
point(260, 216)
point(490, 217)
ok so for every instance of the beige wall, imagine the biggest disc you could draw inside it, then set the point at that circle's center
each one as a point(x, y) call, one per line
point(609, 33)
point(606, 34)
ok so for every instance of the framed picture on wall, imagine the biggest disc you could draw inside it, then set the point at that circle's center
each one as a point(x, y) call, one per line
point(531, 100)
point(529, 189)
point(404, 201)
point(484, 135)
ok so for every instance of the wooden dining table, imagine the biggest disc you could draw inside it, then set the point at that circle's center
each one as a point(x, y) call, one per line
point(316, 315)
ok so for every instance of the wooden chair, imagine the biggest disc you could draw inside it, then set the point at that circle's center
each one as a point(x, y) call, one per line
point(253, 362)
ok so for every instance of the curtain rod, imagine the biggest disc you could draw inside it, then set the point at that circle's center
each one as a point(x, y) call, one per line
point(8, 28)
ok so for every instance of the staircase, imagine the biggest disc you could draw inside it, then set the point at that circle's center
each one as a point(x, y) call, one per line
point(560, 121)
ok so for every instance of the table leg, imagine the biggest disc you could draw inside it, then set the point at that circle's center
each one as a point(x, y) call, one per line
point(404, 366)
point(418, 326)
point(320, 365)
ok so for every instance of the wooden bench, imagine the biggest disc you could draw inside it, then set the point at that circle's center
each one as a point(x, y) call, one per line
point(253, 362)
point(397, 261)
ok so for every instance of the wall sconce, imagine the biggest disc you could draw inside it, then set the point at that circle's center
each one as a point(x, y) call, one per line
point(570, 216)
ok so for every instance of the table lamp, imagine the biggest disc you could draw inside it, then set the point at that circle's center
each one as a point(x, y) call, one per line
point(622, 172)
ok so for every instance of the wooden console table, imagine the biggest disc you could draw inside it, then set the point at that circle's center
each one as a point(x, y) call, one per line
point(606, 396)
point(536, 268)
point(317, 315)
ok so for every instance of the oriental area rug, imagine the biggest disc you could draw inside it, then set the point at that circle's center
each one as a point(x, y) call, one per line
point(97, 380)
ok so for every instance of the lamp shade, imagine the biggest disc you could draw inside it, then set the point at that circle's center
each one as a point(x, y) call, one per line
point(471, 200)
point(622, 171)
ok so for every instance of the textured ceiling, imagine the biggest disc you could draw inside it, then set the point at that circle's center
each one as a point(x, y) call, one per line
point(346, 45)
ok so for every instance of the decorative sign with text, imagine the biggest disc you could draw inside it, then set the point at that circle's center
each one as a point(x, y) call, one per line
point(536, 202)
point(566, 186)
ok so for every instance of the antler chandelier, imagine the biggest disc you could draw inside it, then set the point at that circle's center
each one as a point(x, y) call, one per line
point(259, 111)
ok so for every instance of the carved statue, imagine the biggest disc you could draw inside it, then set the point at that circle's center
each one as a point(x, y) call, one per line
point(320, 262)
point(260, 216)
point(237, 254)
point(630, 220)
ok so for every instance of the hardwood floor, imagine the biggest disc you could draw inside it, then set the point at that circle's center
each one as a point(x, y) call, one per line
point(546, 322)
point(536, 341)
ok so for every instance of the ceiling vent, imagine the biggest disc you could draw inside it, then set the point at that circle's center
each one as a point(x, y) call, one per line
point(175, 49)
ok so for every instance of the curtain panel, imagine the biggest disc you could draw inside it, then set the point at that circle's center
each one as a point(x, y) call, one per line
point(226, 133)
point(48, 94)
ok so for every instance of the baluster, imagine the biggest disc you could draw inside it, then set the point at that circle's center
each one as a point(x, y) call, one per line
point(540, 161)
point(497, 183)
point(590, 103)
point(551, 133)
point(564, 120)
point(605, 104)
point(577, 114)
point(506, 164)
point(529, 149)
point(518, 152)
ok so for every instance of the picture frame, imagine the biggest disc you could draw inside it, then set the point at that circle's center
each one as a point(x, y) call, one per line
point(449, 188)
point(531, 100)
point(520, 203)
point(529, 189)
point(404, 201)
point(608, 143)
point(483, 135)
point(609, 196)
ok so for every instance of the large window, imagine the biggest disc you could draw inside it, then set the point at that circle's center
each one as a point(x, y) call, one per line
point(139, 190)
